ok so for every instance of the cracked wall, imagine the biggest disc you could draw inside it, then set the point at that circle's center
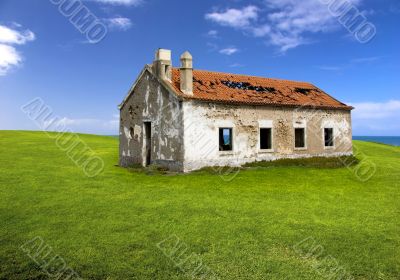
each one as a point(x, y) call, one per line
point(203, 120)
point(185, 134)
point(150, 102)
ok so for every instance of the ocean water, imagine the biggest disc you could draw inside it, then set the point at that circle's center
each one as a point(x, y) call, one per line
point(391, 140)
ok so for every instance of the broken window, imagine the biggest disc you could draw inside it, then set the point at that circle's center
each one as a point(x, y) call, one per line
point(328, 135)
point(265, 138)
point(225, 139)
point(247, 86)
point(299, 140)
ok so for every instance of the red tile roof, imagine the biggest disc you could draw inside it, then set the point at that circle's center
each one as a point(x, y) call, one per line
point(241, 89)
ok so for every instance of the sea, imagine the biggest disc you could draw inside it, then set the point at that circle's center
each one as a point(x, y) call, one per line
point(390, 140)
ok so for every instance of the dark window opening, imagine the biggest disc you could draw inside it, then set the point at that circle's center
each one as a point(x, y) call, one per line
point(131, 132)
point(265, 138)
point(299, 138)
point(328, 134)
point(248, 86)
point(225, 139)
point(304, 91)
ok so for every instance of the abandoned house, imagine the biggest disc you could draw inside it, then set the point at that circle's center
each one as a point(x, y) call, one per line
point(185, 119)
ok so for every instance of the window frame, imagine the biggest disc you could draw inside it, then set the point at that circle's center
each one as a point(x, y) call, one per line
point(221, 129)
point(333, 138)
point(304, 138)
point(271, 136)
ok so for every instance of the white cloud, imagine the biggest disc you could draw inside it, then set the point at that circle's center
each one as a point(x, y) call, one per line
point(11, 36)
point(286, 42)
point(261, 31)
point(229, 51)
point(236, 65)
point(329, 68)
point(120, 23)
point(9, 56)
point(285, 24)
point(234, 17)
point(212, 34)
point(120, 2)
point(353, 62)
point(366, 59)
point(376, 110)
point(376, 118)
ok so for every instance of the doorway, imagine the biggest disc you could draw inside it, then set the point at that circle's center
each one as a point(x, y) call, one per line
point(147, 131)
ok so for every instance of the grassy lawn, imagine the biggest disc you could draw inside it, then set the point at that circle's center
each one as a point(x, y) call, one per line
point(108, 227)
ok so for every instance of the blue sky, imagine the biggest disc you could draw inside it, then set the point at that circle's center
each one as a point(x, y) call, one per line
point(42, 54)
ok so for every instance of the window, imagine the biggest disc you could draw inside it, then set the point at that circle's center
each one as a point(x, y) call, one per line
point(299, 138)
point(225, 139)
point(131, 132)
point(328, 135)
point(265, 138)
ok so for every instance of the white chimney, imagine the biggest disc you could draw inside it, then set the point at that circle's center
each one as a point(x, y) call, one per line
point(186, 73)
point(162, 65)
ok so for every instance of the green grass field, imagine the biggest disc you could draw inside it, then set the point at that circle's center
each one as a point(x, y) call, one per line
point(112, 226)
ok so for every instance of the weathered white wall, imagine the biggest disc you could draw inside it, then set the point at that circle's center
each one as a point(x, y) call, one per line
point(185, 134)
point(202, 121)
point(151, 102)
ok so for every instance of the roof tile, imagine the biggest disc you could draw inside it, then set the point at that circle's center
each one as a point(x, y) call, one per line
point(241, 89)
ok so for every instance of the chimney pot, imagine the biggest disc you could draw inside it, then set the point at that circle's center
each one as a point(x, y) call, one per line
point(186, 73)
point(162, 65)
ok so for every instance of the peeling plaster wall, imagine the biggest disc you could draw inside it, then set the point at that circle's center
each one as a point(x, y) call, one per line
point(151, 102)
point(185, 134)
point(203, 120)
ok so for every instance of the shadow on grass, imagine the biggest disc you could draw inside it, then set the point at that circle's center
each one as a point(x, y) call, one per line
point(151, 170)
point(314, 162)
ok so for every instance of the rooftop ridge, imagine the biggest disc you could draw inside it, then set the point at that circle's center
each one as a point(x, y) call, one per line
point(249, 76)
point(212, 86)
